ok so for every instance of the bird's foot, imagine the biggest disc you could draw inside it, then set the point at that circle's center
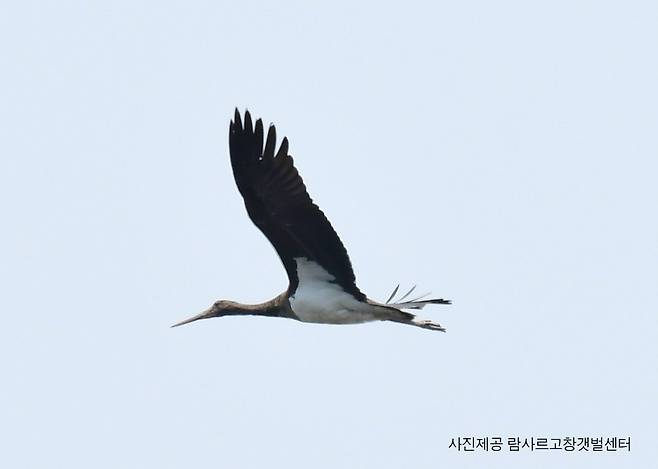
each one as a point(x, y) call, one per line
point(428, 324)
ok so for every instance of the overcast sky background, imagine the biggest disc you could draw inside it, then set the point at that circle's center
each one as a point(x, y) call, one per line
point(500, 154)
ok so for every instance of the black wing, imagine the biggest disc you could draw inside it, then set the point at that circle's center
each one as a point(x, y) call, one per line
point(278, 204)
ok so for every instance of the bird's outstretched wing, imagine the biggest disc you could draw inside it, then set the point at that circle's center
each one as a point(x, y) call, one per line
point(279, 205)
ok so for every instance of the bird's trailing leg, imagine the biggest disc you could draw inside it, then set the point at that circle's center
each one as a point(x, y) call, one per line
point(403, 317)
point(427, 324)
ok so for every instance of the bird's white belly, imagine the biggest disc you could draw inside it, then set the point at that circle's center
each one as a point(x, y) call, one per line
point(317, 299)
point(310, 311)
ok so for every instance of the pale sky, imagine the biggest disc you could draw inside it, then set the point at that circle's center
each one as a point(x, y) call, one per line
point(499, 154)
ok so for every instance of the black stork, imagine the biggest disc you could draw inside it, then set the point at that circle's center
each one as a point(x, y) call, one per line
point(322, 286)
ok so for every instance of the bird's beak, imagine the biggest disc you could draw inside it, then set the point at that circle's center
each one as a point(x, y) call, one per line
point(209, 313)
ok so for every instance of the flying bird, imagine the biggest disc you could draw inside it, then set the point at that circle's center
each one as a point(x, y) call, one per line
point(322, 285)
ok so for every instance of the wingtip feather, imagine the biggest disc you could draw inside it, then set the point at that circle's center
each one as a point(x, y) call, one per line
point(393, 294)
point(283, 149)
point(258, 132)
point(270, 142)
point(237, 119)
point(247, 122)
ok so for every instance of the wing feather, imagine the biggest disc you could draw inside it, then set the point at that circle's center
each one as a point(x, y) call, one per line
point(279, 205)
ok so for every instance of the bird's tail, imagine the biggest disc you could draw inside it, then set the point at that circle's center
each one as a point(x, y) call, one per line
point(418, 302)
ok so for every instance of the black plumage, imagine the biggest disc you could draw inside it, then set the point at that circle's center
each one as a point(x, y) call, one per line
point(279, 205)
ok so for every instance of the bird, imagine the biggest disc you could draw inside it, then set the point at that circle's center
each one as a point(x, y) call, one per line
point(322, 286)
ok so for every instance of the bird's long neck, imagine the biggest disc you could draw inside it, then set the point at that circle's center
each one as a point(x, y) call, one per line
point(272, 308)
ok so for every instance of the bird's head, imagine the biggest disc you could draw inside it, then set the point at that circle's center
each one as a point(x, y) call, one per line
point(219, 308)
